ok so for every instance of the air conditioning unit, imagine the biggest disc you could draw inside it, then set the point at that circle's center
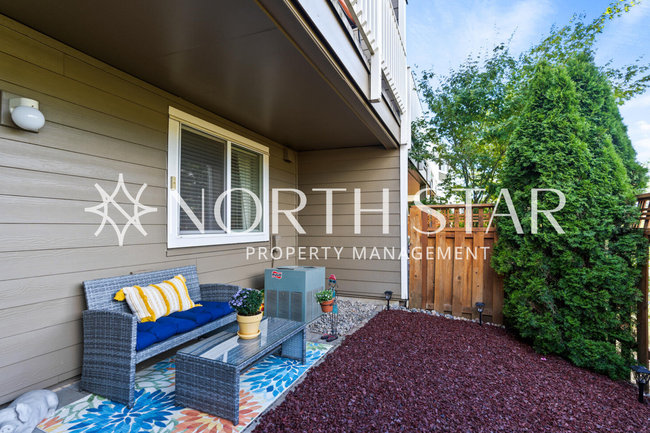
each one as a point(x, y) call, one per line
point(289, 292)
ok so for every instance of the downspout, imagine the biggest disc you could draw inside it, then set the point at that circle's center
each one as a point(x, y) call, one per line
point(405, 141)
point(403, 218)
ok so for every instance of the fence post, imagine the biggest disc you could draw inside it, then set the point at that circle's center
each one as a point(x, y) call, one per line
point(642, 320)
point(424, 241)
point(477, 277)
point(643, 202)
point(415, 265)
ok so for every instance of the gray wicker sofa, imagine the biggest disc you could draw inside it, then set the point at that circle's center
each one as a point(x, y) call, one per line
point(110, 330)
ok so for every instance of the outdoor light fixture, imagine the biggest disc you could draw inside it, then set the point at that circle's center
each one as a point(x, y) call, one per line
point(16, 111)
point(642, 376)
point(388, 294)
point(25, 114)
point(480, 306)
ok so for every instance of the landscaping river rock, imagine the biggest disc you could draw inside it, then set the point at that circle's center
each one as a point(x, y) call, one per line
point(351, 315)
point(414, 372)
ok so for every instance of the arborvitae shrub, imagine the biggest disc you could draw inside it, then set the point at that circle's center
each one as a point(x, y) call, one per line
point(572, 294)
point(598, 106)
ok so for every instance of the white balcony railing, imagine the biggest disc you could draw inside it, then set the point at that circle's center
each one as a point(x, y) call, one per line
point(382, 33)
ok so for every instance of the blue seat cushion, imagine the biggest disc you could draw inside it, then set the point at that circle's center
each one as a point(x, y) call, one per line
point(217, 309)
point(144, 340)
point(153, 332)
point(208, 312)
point(178, 323)
point(197, 315)
point(182, 325)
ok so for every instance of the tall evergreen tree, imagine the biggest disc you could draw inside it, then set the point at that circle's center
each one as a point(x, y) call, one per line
point(574, 293)
point(597, 104)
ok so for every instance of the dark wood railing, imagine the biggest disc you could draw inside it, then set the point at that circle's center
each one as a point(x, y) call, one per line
point(456, 219)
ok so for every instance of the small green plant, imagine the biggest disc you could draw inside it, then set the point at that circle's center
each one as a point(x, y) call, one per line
point(247, 302)
point(324, 296)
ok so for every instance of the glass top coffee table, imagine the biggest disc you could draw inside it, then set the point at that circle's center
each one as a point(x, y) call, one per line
point(207, 373)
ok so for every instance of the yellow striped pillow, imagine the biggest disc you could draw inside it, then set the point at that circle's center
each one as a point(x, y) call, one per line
point(157, 300)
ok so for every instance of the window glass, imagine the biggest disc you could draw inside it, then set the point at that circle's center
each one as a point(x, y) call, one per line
point(246, 173)
point(202, 178)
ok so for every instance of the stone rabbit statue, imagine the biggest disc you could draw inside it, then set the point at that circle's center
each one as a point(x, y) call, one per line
point(27, 411)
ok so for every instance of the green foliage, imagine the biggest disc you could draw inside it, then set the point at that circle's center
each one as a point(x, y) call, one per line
point(324, 296)
point(613, 87)
point(579, 37)
point(598, 105)
point(420, 149)
point(474, 109)
point(571, 294)
point(247, 302)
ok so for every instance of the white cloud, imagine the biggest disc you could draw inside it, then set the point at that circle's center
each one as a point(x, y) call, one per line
point(475, 26)
point(620, 40)
point(638, 102)
point(638, 121)
point(643, 150)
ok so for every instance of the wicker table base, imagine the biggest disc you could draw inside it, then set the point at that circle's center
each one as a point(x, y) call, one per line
point(207, 373)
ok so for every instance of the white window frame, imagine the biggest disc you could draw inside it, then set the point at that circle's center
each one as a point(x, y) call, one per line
point(177, 119)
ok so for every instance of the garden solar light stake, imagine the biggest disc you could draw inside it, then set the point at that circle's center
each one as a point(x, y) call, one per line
point(642, 376)
point(388, 294)
point(480, 306)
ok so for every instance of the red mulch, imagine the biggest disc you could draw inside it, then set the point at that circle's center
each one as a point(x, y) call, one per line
point(414, 372)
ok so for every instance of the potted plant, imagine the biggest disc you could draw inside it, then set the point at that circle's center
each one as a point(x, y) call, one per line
point(326, 300)
point(247, 303)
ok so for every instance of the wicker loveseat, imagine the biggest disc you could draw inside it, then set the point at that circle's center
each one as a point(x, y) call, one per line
point(111, 331)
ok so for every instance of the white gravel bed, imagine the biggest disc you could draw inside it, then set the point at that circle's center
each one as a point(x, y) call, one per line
point(351, 314)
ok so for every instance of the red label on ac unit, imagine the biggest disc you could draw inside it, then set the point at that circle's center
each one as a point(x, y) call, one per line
point(276, 274)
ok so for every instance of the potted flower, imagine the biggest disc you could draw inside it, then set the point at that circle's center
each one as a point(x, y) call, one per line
point(326, 300)
point(247, 303)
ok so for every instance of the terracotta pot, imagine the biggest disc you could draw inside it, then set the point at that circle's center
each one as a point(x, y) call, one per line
point(249, 326)
point(327, 306)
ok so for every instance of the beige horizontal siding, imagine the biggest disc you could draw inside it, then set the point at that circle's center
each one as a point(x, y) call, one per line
point(100, 122)
point(35, 343)
point(368, 198)
point(40, 184)
point(40, 368)
point(374, 162)
point(370, 170)
point(348, 209)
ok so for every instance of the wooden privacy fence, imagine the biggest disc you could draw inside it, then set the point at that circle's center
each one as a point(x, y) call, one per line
point(450, 270)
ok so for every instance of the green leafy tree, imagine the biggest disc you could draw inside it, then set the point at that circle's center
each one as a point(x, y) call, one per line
point(571, 294)
point(420, 145)
point(473, 113)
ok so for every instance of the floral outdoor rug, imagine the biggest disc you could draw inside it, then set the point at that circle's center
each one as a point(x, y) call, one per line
point(155, 411)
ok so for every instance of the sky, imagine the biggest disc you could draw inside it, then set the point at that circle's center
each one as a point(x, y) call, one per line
point(442, 33)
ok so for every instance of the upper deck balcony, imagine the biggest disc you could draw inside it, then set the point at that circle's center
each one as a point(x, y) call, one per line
point(368, 37)
point(289, 70)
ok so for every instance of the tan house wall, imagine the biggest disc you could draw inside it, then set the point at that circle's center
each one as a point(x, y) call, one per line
point(370, 169)
point(99, 122)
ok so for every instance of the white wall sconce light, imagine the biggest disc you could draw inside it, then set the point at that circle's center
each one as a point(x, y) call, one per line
point(19, 112)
